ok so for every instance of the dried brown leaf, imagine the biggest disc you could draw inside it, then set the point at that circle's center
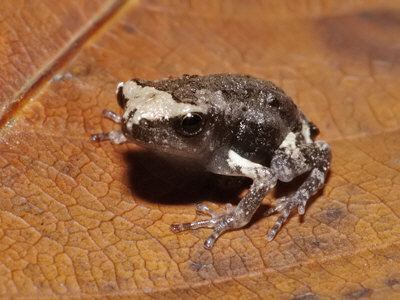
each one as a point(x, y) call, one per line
point(85, 219)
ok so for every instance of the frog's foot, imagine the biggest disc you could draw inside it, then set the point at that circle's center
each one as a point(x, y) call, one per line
point(219, 222)
point(298, 199)
point(116, 137)
point(284, 206)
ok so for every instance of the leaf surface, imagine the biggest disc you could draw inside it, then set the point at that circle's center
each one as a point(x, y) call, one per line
point(85, 219)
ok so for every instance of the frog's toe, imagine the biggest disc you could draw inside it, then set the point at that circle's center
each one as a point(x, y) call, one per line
point(112, 116)
point(116, 137)
point(178, 227)
point(218, 230)
point(219, 222)
point(202, 208)
point(284, 205)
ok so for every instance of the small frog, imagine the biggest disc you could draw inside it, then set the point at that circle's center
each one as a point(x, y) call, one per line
point(234, 125)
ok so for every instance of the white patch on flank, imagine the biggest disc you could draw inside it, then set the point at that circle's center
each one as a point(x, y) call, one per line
point(152, 104)
point(289, 142)
point(305, 131)
point(247, 167)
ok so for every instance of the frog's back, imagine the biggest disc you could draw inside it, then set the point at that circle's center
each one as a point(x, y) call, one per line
point(249, 93)
point(253, 115)
point(261, 114)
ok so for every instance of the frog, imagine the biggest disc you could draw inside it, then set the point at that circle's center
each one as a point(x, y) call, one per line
point(230, 125)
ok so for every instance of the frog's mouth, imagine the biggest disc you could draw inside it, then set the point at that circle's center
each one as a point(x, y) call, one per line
point(161, 139)
point(149, 136)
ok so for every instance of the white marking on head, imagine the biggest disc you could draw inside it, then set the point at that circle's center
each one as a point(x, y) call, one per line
point(305, 131)
point(152, 104)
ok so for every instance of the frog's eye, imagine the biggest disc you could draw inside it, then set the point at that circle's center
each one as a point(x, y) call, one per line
point(191, 124)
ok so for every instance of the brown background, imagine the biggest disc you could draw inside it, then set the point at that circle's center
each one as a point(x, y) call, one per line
point(85, 219)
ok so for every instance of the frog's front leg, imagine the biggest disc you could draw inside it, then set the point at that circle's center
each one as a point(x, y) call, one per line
point(116, 137)
point(291, 162)
point(236, 217)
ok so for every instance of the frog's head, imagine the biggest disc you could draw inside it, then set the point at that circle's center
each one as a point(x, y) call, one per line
point(156, 119)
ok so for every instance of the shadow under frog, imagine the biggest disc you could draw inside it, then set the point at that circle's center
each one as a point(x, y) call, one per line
point(157, 180)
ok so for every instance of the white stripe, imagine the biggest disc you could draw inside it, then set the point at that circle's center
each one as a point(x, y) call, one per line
point(247, 167)
point(305, 131)
point(152, 104)
point(289, 142)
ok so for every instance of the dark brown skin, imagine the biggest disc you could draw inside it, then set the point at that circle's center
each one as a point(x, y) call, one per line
point(246, 98)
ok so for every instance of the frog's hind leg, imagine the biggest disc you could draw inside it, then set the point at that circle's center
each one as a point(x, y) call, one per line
point(314, 157)
point(116, 137)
